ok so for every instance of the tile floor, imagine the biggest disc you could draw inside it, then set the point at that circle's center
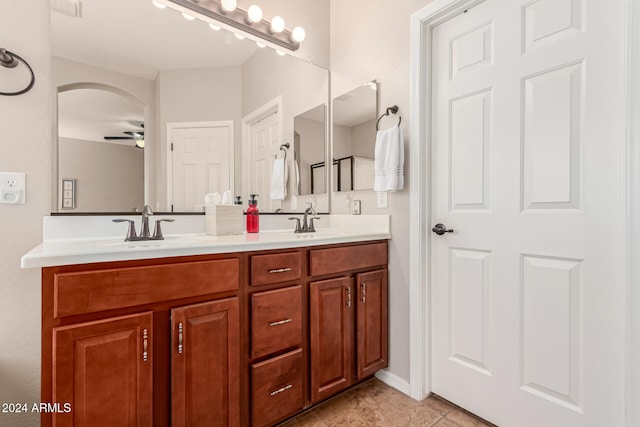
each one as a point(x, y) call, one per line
point(375, 404)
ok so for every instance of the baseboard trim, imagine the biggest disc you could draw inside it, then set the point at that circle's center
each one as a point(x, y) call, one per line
point(392, 380)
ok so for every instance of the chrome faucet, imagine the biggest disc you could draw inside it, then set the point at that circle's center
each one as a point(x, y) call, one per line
point(307, 222)
point(145, 234)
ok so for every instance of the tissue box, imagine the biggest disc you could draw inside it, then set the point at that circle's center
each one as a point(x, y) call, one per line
point(223, 220)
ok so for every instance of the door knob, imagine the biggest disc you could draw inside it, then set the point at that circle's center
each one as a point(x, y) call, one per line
point(440, 229)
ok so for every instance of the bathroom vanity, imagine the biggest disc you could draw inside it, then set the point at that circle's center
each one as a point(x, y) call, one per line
point(231, 332)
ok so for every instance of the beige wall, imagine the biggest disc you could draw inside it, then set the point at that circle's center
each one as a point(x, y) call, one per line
point(197, 95)
point(92, 165)
point(370, 41)
point(24, 147)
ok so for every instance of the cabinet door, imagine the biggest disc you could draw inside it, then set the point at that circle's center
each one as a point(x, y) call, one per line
point(103, 369)
point(372, 322)
point(205, 364)
point(331, 330)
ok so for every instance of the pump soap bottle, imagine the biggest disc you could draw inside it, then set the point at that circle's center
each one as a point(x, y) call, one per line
point(253, 217)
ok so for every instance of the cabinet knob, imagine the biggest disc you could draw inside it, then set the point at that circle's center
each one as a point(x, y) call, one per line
point(180, 338)
point(349, 296)
point(363, 288)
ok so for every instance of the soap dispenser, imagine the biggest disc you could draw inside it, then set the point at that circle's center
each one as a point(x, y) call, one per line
point(253, 217)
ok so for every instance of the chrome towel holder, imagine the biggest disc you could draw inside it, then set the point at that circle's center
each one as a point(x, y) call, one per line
point(282, 148)
point(391, 110)
point(9, 59)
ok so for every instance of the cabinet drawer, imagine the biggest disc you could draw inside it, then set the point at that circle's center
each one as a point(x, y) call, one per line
point(92, 291)
point(274, 268)
point(336, 260)
point(276, 320)
point(277, 388)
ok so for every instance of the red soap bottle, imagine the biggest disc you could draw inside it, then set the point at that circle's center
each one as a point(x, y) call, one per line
point(253, 217)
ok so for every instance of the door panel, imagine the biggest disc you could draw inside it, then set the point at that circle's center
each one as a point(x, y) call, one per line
point(331, 331)
point(205, 364)
point(371, 321)
point(265, 143)
point(104, 370)
point(526, 162)
point(202, 164)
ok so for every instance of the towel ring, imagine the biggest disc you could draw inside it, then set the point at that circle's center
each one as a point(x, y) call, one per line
point(390, 110)
point(282, 148)
point(10, 60)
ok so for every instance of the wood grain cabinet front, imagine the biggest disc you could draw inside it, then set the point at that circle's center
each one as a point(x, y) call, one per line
point(277, 390)
point(205, 364)
point(276, 320)
point(102, 372)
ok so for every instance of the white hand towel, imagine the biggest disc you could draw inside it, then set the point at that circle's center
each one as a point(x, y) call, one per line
point(279, 180)
point(389, 160)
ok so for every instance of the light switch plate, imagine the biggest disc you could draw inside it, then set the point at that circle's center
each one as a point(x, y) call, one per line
point(382, 200)
point(12, 188)
point(355, 207)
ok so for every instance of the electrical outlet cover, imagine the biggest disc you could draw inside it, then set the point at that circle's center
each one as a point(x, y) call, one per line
point(382, 200)
point(355, 207)
point(12, 188)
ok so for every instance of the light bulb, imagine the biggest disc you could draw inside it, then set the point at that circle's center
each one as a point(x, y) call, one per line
point(229, 5)
point(159, 5)
point(214, 27)
point(188, 17)
point(298, 34)
point(261, 45)
point(277, 24)
point(281, 53)
point(239, 36)
point(254, 14)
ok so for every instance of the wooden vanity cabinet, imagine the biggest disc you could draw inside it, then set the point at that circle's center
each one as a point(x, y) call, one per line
point(348, 317)
point(277, 351)
point(142, 343)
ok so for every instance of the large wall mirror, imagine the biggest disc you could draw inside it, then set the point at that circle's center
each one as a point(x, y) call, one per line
point(354, 137)
point(154, 109)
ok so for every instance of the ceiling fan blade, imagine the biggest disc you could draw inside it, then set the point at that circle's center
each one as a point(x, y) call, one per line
point(115, 138)
point(139, 134)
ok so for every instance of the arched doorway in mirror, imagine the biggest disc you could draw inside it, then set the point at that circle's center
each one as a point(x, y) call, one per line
point(99, 153)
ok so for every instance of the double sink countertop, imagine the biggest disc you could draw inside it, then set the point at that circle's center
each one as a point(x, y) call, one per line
point(87, 239)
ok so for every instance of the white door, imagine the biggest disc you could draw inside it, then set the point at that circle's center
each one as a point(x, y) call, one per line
point(202, 162)
point(527, 291)
point(265, 144)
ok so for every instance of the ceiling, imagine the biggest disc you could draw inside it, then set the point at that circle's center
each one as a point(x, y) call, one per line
point(136, 38)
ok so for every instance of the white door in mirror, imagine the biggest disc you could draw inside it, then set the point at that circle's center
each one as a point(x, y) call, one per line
point(12, 188)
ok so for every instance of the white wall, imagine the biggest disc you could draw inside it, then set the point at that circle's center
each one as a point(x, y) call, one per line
point(89, 162)
point(24, 147)
point(370, 41)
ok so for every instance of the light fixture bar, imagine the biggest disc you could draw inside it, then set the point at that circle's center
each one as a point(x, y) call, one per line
point(238, 19)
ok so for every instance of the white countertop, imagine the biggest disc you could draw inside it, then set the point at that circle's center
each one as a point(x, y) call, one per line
point(57, 250)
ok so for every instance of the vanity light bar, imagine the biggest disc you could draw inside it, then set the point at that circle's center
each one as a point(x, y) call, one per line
point(239, 19)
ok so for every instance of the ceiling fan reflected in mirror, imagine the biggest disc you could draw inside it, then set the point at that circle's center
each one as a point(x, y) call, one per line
point(137, 136)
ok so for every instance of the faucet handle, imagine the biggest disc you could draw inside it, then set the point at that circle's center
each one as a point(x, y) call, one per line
point(311, 227)
point(157, 231)
point(298, 228)
point(131, 232)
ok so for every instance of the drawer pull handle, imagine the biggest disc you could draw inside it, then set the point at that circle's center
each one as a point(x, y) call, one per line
point(280, 322)
point(280, 270)
point(364, 291)
point(145, 345)
point(349, 296)
point(180, 338)
point(280, 390)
